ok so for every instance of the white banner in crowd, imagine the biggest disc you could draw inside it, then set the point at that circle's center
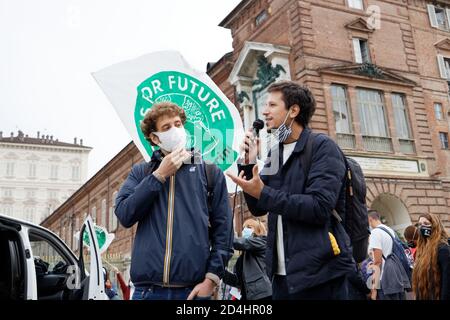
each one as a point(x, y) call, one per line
point(213, 123)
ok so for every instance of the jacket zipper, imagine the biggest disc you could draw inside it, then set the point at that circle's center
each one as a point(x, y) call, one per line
point(169, 230)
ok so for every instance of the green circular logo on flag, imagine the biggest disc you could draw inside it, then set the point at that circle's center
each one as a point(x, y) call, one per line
point(101, 236)
point(104, 238)
point(209, 124)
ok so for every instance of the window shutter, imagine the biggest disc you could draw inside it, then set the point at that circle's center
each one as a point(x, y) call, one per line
point(357, 50)
point(447, 13)
point(441, 65)
point(432, 16)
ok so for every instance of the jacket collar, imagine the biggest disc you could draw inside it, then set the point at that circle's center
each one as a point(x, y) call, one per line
point(301, 142)
point(158, 155)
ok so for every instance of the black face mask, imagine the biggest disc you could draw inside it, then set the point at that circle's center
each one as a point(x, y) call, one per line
point(411, 244)
point(425, 231)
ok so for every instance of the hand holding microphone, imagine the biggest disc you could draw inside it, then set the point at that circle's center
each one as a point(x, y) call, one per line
point(250, 146)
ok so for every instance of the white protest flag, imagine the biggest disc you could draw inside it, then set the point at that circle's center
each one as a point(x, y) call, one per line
point(213, 125)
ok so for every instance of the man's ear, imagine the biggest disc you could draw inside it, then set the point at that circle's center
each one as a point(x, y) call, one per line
point(295, 110)
point(154, 138)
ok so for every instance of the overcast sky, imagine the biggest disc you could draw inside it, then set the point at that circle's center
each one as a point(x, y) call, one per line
point(49, 48)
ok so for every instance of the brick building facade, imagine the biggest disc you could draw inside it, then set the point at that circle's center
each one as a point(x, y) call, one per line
point(379, 71)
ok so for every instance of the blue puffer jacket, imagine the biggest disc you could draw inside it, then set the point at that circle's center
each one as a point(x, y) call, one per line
point(305, 205)
point(172, 245)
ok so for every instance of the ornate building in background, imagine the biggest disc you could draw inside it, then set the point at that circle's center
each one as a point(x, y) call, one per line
point(38, 174)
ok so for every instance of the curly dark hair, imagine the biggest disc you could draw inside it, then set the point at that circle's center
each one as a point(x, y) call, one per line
point(148, 124)
point(294, 93)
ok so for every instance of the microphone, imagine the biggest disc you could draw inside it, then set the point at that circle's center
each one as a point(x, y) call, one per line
point(258, 124)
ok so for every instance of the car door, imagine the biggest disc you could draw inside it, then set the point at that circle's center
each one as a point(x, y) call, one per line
point(96, 283)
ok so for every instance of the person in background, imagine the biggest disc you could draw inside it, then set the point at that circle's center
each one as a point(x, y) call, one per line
point(250, 270)
point(411, 235)
point(431, 273)
point(109, 290)
point(123, 286)
point(380, 247)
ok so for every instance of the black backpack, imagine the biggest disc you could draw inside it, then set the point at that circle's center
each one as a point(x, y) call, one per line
point(355, 217)
point(398, 249)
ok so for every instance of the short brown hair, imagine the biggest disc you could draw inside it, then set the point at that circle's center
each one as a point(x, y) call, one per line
point(411, 233)
point(148, 124)
point(294, 93)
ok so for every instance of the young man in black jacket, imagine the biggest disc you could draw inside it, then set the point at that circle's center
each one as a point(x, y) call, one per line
point(302, 257)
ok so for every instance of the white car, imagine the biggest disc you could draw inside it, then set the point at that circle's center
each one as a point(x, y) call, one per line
point(35, 264)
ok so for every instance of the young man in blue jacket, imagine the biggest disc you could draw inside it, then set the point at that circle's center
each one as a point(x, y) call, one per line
point(175, 256)
point(300, 257)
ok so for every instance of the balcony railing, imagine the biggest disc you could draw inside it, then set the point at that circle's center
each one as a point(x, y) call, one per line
point(407, 146)
point(380, 144)
point(346, 140)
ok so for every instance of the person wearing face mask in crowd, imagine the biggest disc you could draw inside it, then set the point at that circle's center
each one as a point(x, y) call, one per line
point(304, 259)
point(431, 273)
point(411, 235)
point(175, 255)
point(394, 284)
point(250, 269)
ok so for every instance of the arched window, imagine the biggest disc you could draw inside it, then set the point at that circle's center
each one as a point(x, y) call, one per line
point(112, 225)
point(93, 214)
point(103, 217)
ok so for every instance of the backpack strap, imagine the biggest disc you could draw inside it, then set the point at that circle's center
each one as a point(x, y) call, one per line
point(306, 161)
point(385, 230)
point(307, 154)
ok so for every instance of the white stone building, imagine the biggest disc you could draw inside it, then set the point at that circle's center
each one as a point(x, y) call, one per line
point(38, 174)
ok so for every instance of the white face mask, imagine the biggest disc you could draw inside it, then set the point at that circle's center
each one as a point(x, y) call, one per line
point(247, 232)
point(171, 139)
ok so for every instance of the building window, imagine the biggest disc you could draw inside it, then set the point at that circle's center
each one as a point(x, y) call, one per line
point(443, 137)
point(444, 66)
point(93, 214)
point(402, 124)
point(342, 117)
point(438, 111)
point(76, 173)
point(373, 121)
point(439, 17)
point(31, 194)
point(261, 17)
point(77, 229)
point(8, 210)
point(32, 170)
point(361, 49)
point(30, 214)
point(7, 192)
point(355, 4)
point(10, 169)
point(54, 172)
point(103, 212)
point(53, 194)
point(112, 217)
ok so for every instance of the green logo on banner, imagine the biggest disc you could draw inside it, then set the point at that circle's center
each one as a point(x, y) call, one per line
point(209, 124)
point(101, 237)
